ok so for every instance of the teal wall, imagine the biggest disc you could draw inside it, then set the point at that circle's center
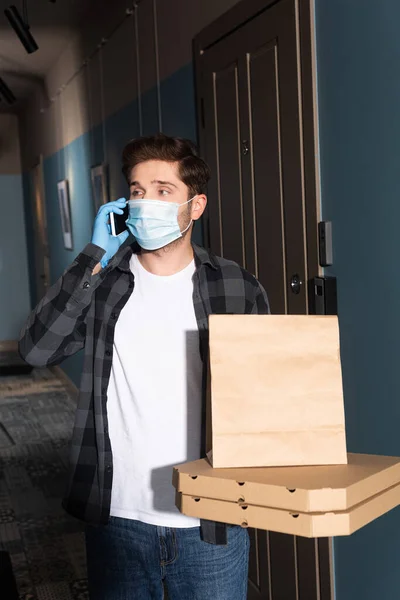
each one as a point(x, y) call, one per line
point(358, 55)
point(74, 161)
point(14, 284)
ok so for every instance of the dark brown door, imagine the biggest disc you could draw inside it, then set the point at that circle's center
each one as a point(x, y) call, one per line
point(251, 104)
point(256, 132)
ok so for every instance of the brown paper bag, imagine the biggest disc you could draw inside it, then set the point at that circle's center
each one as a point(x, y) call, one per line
point(276, 391)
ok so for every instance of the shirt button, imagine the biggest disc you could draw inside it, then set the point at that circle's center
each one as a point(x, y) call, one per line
point(86, 285)
point(108, 468)
point(130, 286)
point(113, 315)
point(108, 352)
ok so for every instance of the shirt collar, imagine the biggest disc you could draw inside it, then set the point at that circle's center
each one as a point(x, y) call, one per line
point(204, 257)
point(201, 256)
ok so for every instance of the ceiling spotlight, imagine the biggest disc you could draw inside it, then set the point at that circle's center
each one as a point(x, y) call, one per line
point(6, 93)
point(21, 28)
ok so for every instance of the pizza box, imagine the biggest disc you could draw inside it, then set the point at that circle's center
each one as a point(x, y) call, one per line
point(318, 489)
point(311, 525)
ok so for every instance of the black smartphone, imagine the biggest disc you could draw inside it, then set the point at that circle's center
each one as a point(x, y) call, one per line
point(118, 222)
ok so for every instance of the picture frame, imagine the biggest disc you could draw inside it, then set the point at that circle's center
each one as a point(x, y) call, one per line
point(65, 213)
point(99, 185)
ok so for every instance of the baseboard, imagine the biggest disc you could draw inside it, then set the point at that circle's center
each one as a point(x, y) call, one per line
point(10, 361)
point(7, 579)
point(69, 384)
point(8, 346)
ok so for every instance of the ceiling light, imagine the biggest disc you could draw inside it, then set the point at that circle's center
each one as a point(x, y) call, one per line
point(21, 28)
point(6, 93)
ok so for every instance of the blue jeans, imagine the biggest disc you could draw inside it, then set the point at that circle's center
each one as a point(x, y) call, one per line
point(129, 560)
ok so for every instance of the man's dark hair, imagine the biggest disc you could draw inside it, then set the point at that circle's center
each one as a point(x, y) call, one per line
point(192, 169)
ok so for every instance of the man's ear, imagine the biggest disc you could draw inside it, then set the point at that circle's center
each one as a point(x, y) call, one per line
point(199, 204)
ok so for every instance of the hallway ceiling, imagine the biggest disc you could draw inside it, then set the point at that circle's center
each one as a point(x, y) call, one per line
point(52, 25)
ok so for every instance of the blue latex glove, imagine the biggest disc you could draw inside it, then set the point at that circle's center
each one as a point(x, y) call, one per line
point(102, 236)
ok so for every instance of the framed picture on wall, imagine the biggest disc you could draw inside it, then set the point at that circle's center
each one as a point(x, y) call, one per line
point(99, 186)
point(65, 213)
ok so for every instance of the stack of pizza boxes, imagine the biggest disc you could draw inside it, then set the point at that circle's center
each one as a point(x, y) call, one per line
point(276, 441)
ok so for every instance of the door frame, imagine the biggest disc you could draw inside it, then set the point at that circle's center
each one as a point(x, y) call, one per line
point(40, 225)
point(233, 19)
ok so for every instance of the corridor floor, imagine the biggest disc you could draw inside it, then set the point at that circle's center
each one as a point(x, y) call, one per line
point(45, 544)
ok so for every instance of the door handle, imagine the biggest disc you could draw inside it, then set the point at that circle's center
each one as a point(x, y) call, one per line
point(296, 283)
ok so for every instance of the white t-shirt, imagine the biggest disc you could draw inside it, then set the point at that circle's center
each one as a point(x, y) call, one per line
point(154, 396)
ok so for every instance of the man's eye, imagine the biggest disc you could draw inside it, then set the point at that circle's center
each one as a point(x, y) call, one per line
point(164, 192)
point(136, 193)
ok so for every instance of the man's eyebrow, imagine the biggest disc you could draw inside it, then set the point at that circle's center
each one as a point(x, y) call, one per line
point(155, 181)
point(164, 182)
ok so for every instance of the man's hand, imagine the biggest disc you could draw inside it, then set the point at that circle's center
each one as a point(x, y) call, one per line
point(102, 236)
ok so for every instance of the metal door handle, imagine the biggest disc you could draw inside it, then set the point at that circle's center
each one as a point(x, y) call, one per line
point(245, 147)
point(296, 283)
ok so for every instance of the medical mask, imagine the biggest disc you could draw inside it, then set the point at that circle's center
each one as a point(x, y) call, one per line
point(154, 223)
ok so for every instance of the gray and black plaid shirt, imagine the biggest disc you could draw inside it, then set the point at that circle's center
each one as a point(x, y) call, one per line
point(80, 311)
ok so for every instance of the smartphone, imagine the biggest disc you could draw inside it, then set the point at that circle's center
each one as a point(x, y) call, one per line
point(118, 222)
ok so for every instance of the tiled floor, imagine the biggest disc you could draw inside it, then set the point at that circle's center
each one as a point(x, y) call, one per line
point(45, 544)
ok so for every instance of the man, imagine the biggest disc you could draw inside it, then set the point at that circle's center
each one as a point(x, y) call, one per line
point(140, 312)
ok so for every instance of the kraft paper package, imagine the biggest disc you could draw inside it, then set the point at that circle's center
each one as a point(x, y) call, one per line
point(275, 391)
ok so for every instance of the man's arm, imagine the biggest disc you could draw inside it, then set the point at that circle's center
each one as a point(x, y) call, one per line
point(56, 328)
point(261, 303)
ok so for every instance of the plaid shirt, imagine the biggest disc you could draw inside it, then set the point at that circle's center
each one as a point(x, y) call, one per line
point(80, 311)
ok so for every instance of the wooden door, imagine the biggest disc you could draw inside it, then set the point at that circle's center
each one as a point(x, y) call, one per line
point(255, 104)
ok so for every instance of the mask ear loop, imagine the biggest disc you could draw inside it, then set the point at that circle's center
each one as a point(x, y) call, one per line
point(187, 201)
point(191, 220)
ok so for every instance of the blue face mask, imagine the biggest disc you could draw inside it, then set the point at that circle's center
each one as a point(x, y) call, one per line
point(154, 223)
